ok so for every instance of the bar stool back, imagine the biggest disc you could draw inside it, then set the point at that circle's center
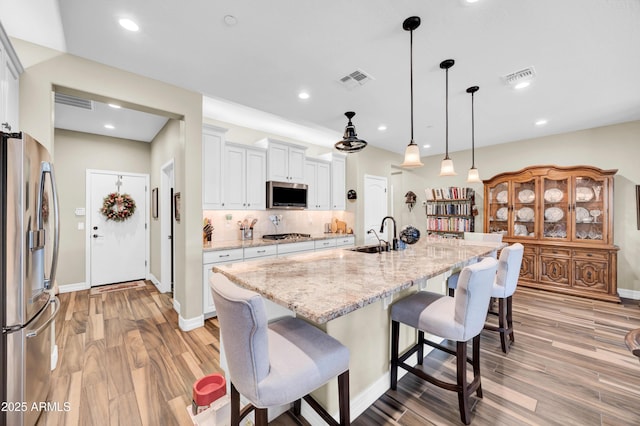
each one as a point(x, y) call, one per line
point(278, 363)
point(459, 318)
point(452, 281)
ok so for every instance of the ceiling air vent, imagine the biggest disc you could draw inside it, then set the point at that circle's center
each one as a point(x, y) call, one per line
point(355, 79)
point(518, 77)
point(74, 101)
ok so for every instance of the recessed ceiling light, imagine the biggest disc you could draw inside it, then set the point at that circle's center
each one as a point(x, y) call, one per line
point(128, 24)
point(115, 106)
point(303, 95)
point(109, 126)
point(541, 122)
point(522, 85)
point(426, 146)
point(230, 20)
point(471, 1)
point(382, 127)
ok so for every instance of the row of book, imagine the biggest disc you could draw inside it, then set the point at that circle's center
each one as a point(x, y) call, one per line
point(450, 209)
point(450, 193)
point(457, 224)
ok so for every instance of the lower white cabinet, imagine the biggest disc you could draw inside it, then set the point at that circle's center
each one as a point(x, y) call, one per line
point(260, 252)
point(347, 240)
point(293, 248)
point(209, 259)
point(325, 244)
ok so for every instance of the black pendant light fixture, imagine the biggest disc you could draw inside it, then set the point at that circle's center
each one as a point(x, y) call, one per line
point(473, 176)
point(350, 141)
point(446, 167)
point(412, 153)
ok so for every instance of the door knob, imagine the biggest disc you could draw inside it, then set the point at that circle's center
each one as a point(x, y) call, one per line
point(95, 235)
point(95, 228)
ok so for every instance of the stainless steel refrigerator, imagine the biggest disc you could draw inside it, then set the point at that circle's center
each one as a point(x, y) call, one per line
point(29, 235)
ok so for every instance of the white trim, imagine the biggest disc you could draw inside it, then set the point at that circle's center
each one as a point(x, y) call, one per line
point(176, 305)
point(167, 181)
point(68, 288)
point(155, 281)
point(629, 294)
point(191, 323)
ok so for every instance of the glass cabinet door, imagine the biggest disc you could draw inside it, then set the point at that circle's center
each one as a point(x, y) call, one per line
point(499, 208)
point(589, 219)
point(524, 209)
point(556, 202)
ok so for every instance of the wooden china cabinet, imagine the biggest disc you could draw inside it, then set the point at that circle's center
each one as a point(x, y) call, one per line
point(564, 218)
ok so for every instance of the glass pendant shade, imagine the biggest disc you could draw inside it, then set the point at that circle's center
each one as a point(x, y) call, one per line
point(412, 157)
point(473, 176)
point(446, 168)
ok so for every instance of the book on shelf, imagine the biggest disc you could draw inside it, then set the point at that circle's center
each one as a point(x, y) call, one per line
point(450, 193)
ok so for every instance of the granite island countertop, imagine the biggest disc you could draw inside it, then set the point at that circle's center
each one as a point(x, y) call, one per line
point(257, 242)
point(322, 286)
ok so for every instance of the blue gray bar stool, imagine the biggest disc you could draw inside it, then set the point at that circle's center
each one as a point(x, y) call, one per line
point(459, 318)
point(278, 363)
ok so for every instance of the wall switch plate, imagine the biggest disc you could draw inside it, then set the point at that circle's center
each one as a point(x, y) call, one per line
point(80, 211)
point(80, 226)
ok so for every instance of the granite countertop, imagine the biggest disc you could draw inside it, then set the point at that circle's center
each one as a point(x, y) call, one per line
point(257, 242)
point(321, 286)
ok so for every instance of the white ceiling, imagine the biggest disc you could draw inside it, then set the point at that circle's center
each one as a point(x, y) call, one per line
point(586, 54)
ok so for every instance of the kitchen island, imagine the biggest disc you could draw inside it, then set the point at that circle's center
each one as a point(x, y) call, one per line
point(346, 293)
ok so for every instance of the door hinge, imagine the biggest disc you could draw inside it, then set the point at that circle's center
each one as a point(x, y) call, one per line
point(145, 263)
point(145, 226)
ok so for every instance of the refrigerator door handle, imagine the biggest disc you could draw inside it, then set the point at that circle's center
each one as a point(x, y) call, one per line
point(45, 168)
point(34, 333)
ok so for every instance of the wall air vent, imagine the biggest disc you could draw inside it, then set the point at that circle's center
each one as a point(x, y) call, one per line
point(74, 101)
point(355, 79)
point(518, 77)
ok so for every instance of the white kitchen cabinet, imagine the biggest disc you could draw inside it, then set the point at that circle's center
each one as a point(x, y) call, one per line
point(318, 179)
point(325, 244)
point(338, 183)
point(244, 178)
point(293, 248)
point(212, 156)
point(209, 259)
point(260, 252)
point(10, 71)
point(347, 240)
point(285, 161)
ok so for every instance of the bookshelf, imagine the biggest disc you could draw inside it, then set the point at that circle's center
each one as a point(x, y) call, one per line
point(450, 211)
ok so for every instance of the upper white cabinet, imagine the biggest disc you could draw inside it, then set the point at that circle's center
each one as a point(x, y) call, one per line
point(9, 85)
point(285, 161)
point(318, 178)
point(338, 182)
point(244, 178)
point(212, 155)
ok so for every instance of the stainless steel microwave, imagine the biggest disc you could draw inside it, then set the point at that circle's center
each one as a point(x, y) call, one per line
point(286, 195)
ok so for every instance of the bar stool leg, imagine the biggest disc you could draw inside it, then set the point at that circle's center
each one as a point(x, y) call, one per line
point(510, 318)
point(261, 416)
point(395, 336)
point(461, 368)
point(476, 363)
point(343, 399)
point(235, 406)
point(502, 324)
point(420, 346)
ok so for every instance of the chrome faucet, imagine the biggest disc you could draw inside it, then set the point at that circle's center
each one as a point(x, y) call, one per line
point(394, 246)
point(381, 247)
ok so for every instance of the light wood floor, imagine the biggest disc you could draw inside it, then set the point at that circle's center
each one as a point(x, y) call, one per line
point(124, 361)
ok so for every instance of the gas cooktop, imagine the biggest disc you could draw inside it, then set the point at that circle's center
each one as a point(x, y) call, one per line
point(290, 236)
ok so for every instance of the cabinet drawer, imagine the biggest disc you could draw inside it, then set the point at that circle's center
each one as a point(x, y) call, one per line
point(220, 256)
point(345, 241)
point(555, 251)
point(290, 248)
point(591, 254)
point(261, 251)
point(325, 244)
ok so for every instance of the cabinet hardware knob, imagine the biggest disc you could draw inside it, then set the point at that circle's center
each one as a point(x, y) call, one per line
point(261, 251)
point(223, 255)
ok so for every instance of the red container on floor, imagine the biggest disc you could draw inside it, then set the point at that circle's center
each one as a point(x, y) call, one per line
point(208, 389)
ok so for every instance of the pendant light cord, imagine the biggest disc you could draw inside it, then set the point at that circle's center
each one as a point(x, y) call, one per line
point(446, 114)
point(411, 80)
point(473, 137)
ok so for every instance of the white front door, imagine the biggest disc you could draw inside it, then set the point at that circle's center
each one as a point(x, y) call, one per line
point(118, 249)
point(375, 207)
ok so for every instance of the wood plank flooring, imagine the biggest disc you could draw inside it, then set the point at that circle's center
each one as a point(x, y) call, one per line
point(124, 361)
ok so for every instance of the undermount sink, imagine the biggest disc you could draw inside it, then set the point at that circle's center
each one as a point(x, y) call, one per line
point(367, 249)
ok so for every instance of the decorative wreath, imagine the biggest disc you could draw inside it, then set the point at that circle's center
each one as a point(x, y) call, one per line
point(118, 207)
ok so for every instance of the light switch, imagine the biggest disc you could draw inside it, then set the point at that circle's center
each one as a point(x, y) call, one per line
point(80, 226)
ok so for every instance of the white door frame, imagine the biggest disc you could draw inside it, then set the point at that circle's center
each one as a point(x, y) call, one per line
point(166, 216)
point(88, 233)
point(367, 200)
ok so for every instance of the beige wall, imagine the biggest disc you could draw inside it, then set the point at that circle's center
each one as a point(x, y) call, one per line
point(77, 152)
point(45, 68)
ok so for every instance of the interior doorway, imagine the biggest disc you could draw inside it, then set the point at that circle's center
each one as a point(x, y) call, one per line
point(375, 206)
point(166, 227)
point(118, 250)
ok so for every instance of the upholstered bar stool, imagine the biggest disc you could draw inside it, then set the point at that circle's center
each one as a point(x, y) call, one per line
point(452, 281)
point(504, 286)
point(278, 363)
point(459, 318)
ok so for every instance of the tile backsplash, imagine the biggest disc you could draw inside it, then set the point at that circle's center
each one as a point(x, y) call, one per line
point(301, 221)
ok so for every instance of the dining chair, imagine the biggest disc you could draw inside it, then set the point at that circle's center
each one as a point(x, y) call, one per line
point(452, 281)
point(459, 318)
point(504, 286)
point(277, 363)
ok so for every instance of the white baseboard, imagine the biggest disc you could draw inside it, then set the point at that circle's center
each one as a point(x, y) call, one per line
point(161, 288)
point(176, 306)
point(191, 323)
point(68, 288)
point(629, 294)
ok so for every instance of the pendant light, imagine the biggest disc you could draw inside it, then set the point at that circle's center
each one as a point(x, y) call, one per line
point(350, 141)
point(473, 176)
point(446, 167)
point(412, 153)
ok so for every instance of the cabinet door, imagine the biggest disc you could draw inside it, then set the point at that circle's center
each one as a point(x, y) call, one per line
point(590, 221)
point(555, 208)
point(525, 211)
point(296, 164)
point(338, 183)
point(256, 163)
point(208, 307)
point(278, 162)
point(212, 151)
point(497, 197)
point(234, 178)
point(323, 186)
point(311, 173)
point(555, 266)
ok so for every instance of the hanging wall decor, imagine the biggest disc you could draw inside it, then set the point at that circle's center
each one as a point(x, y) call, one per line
point(410, 199)
point(118, 207)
